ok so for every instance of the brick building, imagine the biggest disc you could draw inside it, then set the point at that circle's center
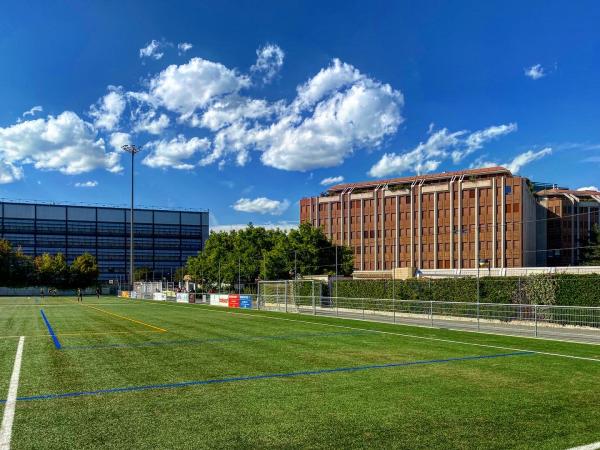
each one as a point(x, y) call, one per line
point(450, 220)
point(569, 216)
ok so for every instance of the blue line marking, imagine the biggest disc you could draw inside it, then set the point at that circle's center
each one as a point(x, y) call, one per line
point(262, 377)
point(54, 338)
point(214, 340)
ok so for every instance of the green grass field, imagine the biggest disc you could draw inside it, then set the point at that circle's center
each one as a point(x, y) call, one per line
point(286, 381)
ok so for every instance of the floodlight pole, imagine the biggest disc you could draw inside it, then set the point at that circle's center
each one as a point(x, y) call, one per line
point(131, 149)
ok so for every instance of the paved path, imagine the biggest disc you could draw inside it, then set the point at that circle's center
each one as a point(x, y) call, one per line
point(572, 334)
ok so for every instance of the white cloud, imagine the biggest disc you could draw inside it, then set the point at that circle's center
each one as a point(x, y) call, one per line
point(261, 205)
point(481, 162)
point(185, 88)
point(476, 140)
point(149, 122)
point(440, 145)
point(525, 158)
point(9, 172)
point(588, 188)
point(118, 140)
point(516, 164)
point(65, 143)
point(174, 153)
point(337, 76)
point(335, 113)
point(331, 180)
point(358, 117)
point(152, 50)
point(86, 184)
point(535, 72)
point(425, 157)
point(233, 108)
point(32, 111)
point(183, 47)
point(108, 110)
point(269, 60)
point(392, 163)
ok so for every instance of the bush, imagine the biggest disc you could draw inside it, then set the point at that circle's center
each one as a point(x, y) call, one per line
point(561, 289)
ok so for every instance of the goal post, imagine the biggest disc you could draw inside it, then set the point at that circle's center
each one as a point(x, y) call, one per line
point(300, 296)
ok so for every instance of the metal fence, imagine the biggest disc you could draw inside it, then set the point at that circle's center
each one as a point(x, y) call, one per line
point(573, 323)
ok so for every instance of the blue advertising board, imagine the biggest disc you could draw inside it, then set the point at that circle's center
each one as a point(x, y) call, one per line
point(245, 301)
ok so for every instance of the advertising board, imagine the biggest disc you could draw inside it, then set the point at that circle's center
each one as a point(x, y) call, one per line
point(246, 301)
point(234, 301)
point(219, 299)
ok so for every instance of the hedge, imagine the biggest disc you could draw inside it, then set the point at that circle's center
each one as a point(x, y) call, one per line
point(572, 290)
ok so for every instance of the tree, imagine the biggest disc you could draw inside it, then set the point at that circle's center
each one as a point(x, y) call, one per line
point(142, 273)
point(180, 273)
point(275, 264)
point(269, 254)
point(228, 255)
point(84, 271)
point(6, 261)
point(23, 270)
point(16, 269)
point(51, 270)
point(590, 253)
point(315, 255)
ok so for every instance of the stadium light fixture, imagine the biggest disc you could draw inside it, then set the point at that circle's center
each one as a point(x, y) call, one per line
point(131, 149)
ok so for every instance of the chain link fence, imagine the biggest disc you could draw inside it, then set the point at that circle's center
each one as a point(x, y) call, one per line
point(574, 323)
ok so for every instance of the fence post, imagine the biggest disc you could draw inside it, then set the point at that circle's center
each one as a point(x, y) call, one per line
point(535, 319)
point(313, 300)
point(285, 295)
point(394, 309)
point(431, 311)
point(363, 305)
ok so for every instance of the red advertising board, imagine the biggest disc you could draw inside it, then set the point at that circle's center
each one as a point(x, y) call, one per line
point(234, 301)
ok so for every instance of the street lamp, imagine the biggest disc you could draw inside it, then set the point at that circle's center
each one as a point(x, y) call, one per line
point(131, 149)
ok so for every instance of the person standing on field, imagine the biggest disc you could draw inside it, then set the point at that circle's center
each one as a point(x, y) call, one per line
point(97, 292)
point(79, 295)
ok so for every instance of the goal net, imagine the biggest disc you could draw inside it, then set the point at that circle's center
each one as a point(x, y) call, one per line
point(289, 295)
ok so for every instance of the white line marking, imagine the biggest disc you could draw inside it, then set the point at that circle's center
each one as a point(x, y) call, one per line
point(404, 324)
point(561, 355)
point(594, 446)
point(11, 399)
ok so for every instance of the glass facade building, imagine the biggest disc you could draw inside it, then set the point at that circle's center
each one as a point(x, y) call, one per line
point(163, 239)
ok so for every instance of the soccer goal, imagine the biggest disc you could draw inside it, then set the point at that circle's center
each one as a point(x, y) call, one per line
point(300, 296)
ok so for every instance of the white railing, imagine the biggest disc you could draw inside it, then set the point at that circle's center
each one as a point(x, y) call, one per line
point(483, 272)
point(575, 323)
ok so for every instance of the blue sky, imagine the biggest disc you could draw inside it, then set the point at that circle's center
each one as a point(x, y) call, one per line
point(244, 109)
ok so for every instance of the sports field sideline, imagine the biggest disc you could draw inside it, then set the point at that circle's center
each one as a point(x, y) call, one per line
point(140, 374)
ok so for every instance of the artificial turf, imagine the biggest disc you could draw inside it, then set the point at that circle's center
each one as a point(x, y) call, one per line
point(522, 400)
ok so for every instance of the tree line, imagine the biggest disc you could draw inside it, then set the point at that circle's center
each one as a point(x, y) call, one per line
point(256, 253)
point(20, 270)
